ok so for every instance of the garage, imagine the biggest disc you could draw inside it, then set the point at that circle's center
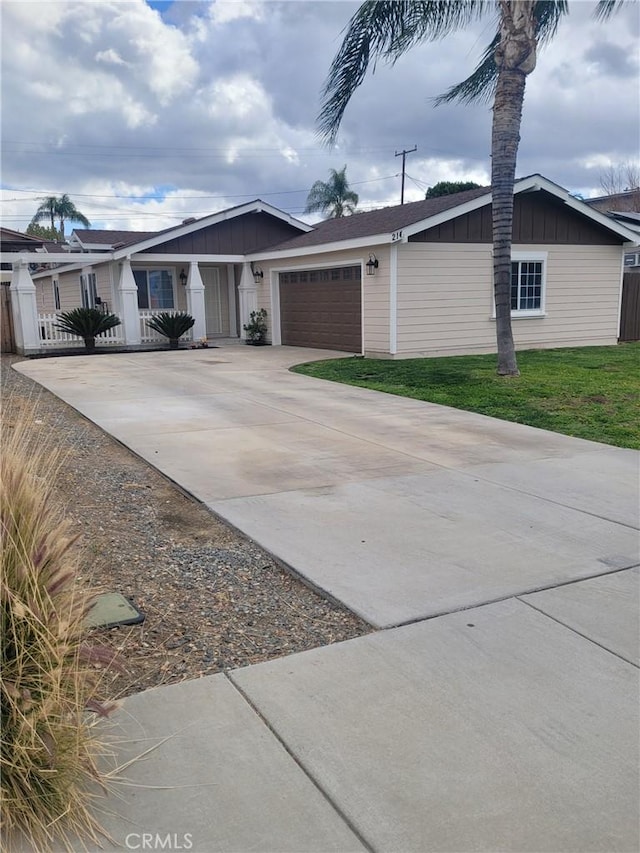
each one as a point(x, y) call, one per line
point(322, 308)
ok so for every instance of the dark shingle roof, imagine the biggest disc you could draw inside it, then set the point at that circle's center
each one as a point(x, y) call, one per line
point(110, 238)
point(383, 221)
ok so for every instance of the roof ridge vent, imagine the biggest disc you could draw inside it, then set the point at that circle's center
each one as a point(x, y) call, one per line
point(189, 221)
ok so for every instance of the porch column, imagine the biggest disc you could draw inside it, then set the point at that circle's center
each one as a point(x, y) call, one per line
point(128, 293)
point(195, 301)
point(231, 287)
point(248, 297)
point(24, 309)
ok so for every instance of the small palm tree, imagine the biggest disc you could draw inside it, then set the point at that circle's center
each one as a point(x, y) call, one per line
point(86, 323)
point(171, 326)
point(61, 207)
point(333, 195)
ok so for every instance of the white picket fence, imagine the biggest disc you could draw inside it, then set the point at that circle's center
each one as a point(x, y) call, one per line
point(52, 336)
point(148, 335)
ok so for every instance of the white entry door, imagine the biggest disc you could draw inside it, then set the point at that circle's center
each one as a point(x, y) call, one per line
point(212, 300)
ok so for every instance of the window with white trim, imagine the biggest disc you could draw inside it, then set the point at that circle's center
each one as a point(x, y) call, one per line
point(528, 278)
point(56, 294)
point(88, 291)
point(155, 289)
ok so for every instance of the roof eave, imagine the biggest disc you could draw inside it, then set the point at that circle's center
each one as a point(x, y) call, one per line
point(205, 222)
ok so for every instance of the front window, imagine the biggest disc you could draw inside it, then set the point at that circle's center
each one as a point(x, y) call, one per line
point(527, 286)
point(155, 289)
point(88, 291)
point(56, 294)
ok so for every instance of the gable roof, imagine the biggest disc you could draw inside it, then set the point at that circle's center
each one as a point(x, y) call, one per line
point(386, 220)
point(189, 226)
point(385, 225)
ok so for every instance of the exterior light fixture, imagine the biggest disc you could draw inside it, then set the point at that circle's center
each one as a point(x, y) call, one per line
point(372, 264)
point(258, 275)
point(183, 277)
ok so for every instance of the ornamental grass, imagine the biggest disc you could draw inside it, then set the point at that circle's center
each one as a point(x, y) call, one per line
point(50, 674)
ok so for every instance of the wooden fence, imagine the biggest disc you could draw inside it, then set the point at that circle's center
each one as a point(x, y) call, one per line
point(630, 308)
point(7, 336)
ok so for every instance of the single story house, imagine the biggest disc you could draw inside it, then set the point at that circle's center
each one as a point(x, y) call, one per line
point(404, 281)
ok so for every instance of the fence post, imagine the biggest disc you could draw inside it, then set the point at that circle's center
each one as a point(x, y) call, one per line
point(128, 292)
point(24, 309)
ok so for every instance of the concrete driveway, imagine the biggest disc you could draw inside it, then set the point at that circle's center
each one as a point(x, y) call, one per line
point(400, 509)
point(509, 723)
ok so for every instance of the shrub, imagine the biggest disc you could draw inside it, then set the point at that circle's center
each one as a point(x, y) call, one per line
point(49, 680)
point(256, 328)
point(86, 323)
point(172, 326)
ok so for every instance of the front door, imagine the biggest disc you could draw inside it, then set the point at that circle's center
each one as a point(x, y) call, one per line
point(212, 300)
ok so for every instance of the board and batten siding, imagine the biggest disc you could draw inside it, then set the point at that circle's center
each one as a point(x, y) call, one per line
point(375, 292)
point(445, 299)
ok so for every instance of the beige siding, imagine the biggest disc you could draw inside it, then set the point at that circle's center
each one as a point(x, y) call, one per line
point(445, 300)
point(375, 288)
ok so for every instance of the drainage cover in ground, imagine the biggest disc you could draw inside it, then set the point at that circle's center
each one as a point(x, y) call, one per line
point(113, 609)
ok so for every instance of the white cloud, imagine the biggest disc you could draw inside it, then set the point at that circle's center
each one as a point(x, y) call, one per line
point(218, 102)
point(223, 11)
point(110, 57)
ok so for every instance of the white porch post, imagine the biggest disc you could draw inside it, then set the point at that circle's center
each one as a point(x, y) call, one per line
point(128, 293)
point(195, 301)
point(231, 287)
point(248, 294)
point(24, 308)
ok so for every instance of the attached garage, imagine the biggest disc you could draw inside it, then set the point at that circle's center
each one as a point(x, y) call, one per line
point(322, 308)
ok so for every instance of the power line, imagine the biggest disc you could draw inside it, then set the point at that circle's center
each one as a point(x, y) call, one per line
point(148, 197)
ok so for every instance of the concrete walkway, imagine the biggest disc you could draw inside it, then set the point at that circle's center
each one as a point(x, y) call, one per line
point(508, 723)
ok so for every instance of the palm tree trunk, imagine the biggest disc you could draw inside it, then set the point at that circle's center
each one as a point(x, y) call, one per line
point(515, 58)
point(507, 115)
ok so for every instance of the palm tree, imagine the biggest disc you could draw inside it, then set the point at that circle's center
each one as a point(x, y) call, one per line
point(61, 207)
point(333, 195)
point(388, 28)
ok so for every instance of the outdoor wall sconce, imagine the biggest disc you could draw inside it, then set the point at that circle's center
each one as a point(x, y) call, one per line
point(372, 265)
point(258, 275)
point(183, 278)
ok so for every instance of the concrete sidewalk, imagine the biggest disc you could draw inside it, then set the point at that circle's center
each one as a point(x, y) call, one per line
point(509, 725)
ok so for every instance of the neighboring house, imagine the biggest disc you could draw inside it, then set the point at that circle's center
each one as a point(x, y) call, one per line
point(623, 207)
point(410, 280)
point(16, 241)
point(627, 201)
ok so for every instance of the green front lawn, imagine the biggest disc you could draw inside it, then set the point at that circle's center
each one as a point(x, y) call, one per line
point(589, 392)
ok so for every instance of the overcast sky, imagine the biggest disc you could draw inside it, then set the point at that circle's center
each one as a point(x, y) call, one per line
point(150, 112)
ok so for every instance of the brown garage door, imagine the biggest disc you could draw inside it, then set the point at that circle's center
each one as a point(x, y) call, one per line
point(322, 308)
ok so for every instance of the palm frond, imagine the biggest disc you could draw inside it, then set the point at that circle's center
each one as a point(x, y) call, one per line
point(86, 322)
point(480, 85)
point(385, 29)
point(606, 8)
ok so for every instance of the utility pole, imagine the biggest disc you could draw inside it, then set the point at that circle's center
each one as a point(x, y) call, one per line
point(403, 154)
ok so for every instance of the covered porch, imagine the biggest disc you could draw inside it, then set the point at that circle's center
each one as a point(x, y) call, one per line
point(219, 292)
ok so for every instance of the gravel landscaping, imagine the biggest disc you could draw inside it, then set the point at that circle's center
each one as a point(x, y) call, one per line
point(213, 600)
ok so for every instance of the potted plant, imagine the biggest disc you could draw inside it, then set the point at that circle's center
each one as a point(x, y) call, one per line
point(86, 323)
point(256, 328)
point(171, 326)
